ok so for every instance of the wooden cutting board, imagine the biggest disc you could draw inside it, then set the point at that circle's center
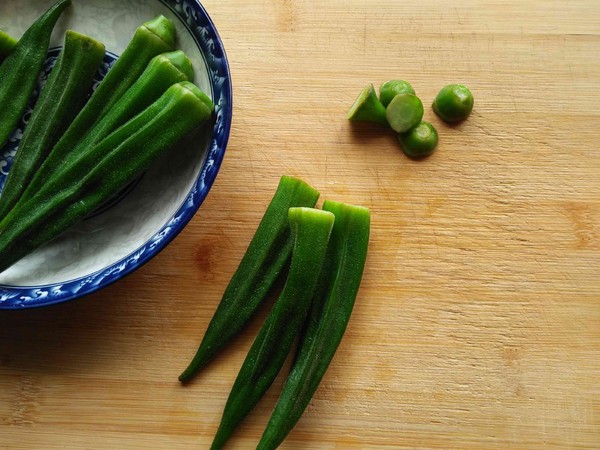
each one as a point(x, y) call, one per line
point(478, 321)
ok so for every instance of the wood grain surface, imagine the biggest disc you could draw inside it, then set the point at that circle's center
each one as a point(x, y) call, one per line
point(477, 325)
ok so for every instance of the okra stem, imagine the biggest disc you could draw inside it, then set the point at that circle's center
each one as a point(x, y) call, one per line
point(7, 43)
point(258, 270)
point(310, 230)
point(19, 71)
point(330, 311)
point(162, 72)
point(61, 99)
point(128, 152)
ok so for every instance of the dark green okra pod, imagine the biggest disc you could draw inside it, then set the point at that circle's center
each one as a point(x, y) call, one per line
point(261, 265)
point(20, 70)
point(7, 43)
point(127, 153)
point(162, 72)
point(330, 311)
point(310, 230)
point(61, 99)
point(150, 39)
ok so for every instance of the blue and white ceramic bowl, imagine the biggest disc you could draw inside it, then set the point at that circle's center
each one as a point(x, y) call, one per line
point(116, 241)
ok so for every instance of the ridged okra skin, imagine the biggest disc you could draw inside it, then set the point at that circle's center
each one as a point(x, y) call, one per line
point(161, 73)
point(20, 70)
point(127, 153)
point(310, 230)
point(266, 255)
point(328, 318)
point(7, 43)
point(150, 39)
point(61, 99)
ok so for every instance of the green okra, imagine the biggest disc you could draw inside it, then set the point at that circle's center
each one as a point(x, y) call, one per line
point(389, 89)
point(310, 230)
point(453, 103)
point(19, 71)
point(7, 43)
point(367, 108)
point(330, 311)
point(61, 99)
point(127, 153)
point(150, 39)
point(419, 141)
point(162, 72)
point(404, 112)
point(258, 270)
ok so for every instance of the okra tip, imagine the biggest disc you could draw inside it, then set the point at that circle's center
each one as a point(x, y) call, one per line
point(163, 28)
point(56, 9)
point(7, 43)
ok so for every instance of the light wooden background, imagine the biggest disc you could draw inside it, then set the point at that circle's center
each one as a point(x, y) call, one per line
point(478, 321)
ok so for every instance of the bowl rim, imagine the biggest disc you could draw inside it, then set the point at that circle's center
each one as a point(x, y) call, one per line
point(35, 296)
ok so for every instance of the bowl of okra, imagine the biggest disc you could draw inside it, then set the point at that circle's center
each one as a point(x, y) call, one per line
point(114, 147)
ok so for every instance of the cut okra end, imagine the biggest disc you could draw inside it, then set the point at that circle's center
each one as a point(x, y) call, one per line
point(300, 213)
point(205, 99)
point(404, 112)
point(419, 141)
point(346, 208)
point(87, 43)
point(179, 60)
point(389, 89)
point(162, 28)
point(453, 103)
point(206, 104)
point(367, 108)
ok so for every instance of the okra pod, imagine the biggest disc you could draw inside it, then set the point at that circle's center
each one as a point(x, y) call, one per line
point(266, 256)
point(61, 99)
point(330, 311)
point(20, 70)
point(7, 43)
point(150, 39)
point(310, 232)
point(127, 153)
point(162, 72)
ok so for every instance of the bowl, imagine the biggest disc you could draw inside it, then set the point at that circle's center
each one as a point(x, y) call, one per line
point(150, 212)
